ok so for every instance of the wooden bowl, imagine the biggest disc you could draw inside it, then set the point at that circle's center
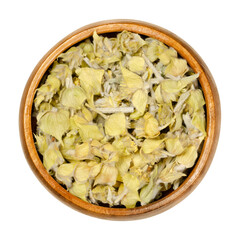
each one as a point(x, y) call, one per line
point(212, 112)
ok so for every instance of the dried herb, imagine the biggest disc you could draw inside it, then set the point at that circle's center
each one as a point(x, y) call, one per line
point(119, 120)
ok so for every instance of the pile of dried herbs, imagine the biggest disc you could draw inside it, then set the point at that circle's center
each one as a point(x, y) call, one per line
point(119, 120)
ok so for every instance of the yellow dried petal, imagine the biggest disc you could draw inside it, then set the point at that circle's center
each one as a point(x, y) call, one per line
point(96, 143)
point(130, 79)
point(158, 94)
point(107, 175)
point(138, 160)
point(150, 126)
point(108, 147)
point(123, 164)
point(46, 91)
point(62, 72)
point(139, 101)
point(188, 157)
point(154, 49)
point(151, 190)
point(76, 121)
point(54, 83)
point(174, 146)
point(38, 99)
point(82, 172)
point(169, 174)
point(131, 182)
point(87, 114)
point(52, 157)
point(195, 100)
point(88, 132)
point(199, 121)
point(130, 199)
point(136, 64)
point(165, 114)
point(149, 145)
point(90, 79)
point(129, 42)
point(73, 57)
point(79, 190)
point(73, 97)
point(55, 123)
point(173, 86)
point(177, 124)
point(101, 193)
point(125, 146)
point(41, 143)
point(95, 170)
point(64, 173)
point(167, 55)
point(82, 151)
point(115, 125)
point(177, 67)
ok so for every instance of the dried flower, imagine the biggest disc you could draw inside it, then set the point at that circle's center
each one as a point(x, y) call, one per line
point(119, 120)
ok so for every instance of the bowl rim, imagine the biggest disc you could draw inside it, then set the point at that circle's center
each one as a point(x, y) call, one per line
point(213, 113)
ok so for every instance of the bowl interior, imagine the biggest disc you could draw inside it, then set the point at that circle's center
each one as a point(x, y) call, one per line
point(170, 198)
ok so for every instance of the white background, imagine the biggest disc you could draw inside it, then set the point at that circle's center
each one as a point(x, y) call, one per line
point(29, 29)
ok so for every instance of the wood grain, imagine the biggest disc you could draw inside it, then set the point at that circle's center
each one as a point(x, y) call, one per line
point(212, 109)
